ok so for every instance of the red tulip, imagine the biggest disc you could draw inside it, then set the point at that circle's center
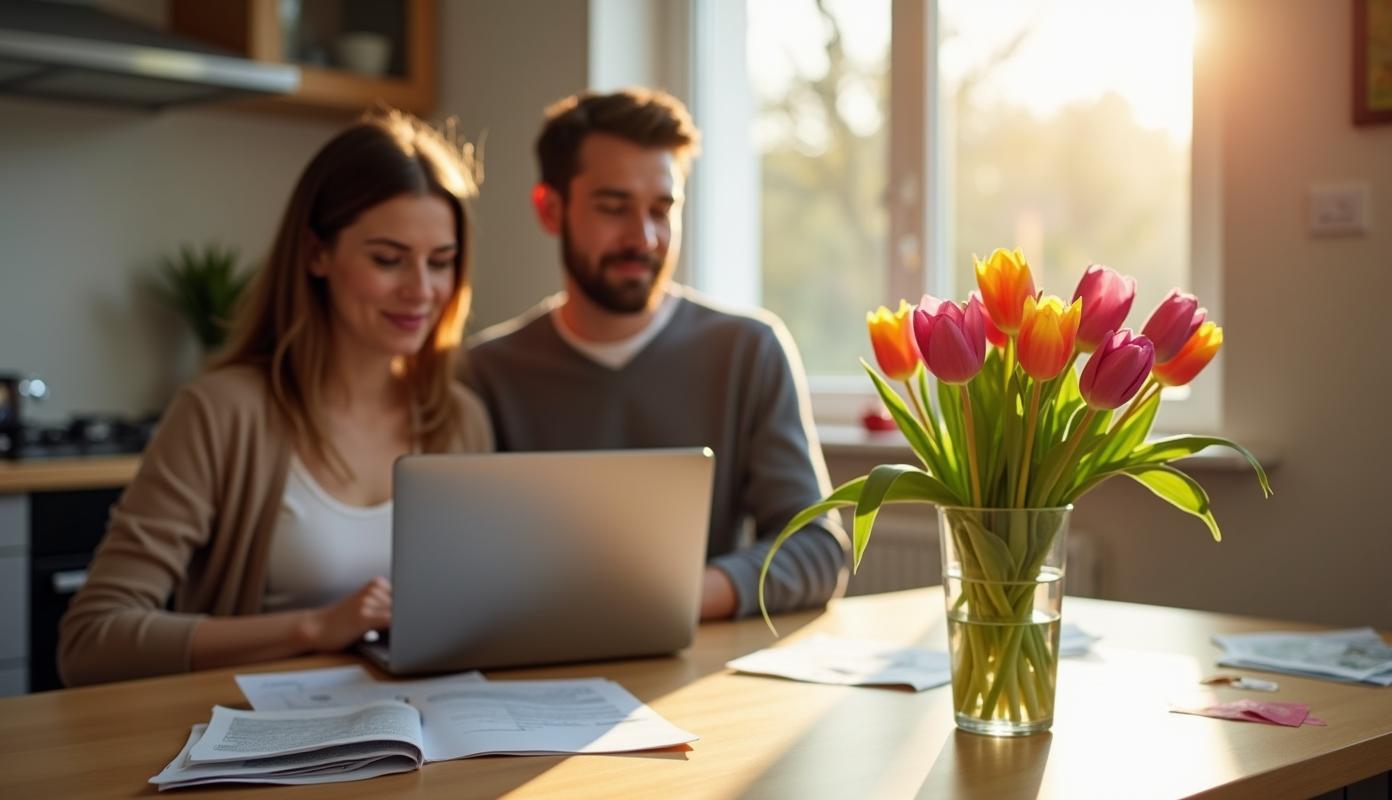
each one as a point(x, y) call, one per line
point(952, 339)
point(1107, 296)
point(1172, 323)
point(1117, 370)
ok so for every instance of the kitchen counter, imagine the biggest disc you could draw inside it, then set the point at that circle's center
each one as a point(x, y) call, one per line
point(77, 472)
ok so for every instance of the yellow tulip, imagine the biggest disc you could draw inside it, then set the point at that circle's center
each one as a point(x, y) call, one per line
point(891, 334)
point(1005, 281)
point(1048, 332)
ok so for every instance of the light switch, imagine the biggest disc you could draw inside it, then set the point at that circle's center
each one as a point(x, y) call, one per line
point(1339, 209)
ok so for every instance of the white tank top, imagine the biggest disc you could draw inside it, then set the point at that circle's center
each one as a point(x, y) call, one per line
point(323, 549)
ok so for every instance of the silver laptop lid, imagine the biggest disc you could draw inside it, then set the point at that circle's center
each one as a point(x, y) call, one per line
point(512, 559)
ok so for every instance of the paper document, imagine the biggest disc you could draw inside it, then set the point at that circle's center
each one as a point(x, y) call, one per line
point(236, 735)
point(298, 746)
point(334, 687)
point(1354, 654)
point(850, 662)
point(437, 720)
point(539, 717)
point(1074, 641)
point(840, 661)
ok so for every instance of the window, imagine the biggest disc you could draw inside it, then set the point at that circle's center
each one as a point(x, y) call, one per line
point(884, 142)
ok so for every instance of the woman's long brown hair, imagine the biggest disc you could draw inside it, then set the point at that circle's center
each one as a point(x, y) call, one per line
point(283, 322)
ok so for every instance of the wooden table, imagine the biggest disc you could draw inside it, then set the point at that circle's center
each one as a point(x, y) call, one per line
point(764, 737)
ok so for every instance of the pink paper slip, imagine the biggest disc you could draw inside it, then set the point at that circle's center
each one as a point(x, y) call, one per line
point(1290, 714)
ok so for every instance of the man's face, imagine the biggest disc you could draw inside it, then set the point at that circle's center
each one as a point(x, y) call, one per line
point(620, 225)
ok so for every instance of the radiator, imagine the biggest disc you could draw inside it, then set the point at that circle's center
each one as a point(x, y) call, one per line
point(903, 554)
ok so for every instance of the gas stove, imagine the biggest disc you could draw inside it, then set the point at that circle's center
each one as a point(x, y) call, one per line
point(82, 435)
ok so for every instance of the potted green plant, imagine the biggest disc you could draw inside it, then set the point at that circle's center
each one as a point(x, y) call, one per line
point(203, 285)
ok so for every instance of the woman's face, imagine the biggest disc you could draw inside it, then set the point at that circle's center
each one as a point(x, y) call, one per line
point(391, 273)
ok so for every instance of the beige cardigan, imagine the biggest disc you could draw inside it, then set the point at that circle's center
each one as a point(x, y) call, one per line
point(195, 523)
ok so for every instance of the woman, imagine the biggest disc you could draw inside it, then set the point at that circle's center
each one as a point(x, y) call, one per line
point(263, 503)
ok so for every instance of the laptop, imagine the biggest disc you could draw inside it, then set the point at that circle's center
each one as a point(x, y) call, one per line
point(521, 559)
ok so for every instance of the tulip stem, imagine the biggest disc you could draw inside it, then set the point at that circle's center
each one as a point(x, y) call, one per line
point(1142, 397)
point(918, 408)
point(971, 445)
point(1009, 364)
point(1029, 446)
point(1079, 434)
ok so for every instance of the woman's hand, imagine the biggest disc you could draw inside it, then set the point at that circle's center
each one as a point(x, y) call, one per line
point(332, 628)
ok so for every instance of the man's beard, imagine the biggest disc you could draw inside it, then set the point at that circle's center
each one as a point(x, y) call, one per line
point(629, 296)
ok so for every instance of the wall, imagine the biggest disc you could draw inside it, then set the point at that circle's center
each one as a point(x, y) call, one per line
point(93, 197)
point(500, 67)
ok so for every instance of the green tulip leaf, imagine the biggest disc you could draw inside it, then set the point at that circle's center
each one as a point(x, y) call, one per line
point(847, 494)
point(954, 442)
point(912, 429)
point(1130, 434)
point(1163, 451)
point(1180, 490)
point(892, 483)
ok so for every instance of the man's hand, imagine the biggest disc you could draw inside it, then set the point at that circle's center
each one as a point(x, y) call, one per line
point(718, 598)
point(332, 628)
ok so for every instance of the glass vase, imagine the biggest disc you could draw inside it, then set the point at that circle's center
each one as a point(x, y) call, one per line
point(1003, 586)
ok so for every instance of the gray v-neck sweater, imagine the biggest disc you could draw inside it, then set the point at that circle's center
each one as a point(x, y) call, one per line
point(713, 377)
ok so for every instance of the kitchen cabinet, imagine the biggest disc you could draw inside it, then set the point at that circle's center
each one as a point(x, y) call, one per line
point(14, 594)
point(352, 54)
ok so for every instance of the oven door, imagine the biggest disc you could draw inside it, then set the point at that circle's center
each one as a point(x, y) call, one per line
point(52, 583)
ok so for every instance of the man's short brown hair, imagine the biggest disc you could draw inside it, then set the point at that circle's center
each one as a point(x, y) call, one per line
point(648, 118)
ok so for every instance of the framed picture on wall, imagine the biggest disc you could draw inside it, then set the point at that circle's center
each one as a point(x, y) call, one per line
point(1372, 61)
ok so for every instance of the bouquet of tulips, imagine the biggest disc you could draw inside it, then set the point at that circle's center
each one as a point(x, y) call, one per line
point(1001, 420)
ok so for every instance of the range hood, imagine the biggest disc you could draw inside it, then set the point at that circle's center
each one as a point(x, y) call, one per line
point(75, 52)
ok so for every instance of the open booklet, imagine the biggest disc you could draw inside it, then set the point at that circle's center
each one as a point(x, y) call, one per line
point(457, 719)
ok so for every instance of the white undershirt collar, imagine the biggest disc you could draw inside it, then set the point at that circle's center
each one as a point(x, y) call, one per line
point(615, 355)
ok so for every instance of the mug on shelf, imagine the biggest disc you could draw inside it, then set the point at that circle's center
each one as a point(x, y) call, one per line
point(363, 52)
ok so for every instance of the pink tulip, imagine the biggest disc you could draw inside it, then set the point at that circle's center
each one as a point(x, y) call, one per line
point(1107, 297)
point(1172, 323)
point(952, 339)
point(1117, 370)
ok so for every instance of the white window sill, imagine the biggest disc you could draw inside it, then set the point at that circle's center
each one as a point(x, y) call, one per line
point(853, 441)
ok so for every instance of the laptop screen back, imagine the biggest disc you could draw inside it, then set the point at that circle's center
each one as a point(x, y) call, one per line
point(512, 559)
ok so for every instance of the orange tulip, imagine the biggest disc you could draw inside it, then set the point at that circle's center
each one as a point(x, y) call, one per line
point(994, 335)
point(1048, 332)
point(1005, 281)
point(891, 334)
point(1192, 357)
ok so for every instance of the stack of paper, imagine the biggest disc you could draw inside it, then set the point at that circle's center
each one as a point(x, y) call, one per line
point(1355, 654)
point(836, 660)
point(297, 747)
point(296, 732)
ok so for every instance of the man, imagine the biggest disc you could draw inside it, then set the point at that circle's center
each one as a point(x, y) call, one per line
point(624, 358)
